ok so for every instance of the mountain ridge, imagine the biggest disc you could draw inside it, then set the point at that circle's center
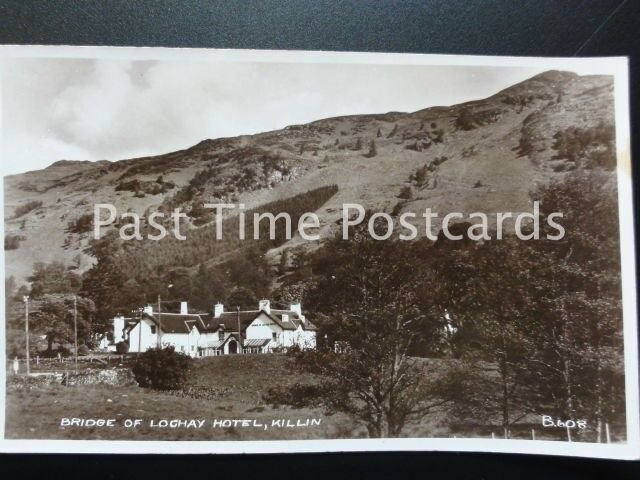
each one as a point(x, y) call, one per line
point(484, 155)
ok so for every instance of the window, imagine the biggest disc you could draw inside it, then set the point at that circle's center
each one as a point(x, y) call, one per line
point(220, 334)
point(153, 329)
point(274, 336)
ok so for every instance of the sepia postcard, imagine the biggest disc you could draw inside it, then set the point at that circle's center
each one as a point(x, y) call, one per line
point(219, 251)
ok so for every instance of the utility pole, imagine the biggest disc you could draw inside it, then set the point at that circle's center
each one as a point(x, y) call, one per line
point(140, 332)
point(239, 330)
point(75, 329)
point(159, 325)
point(26, 329)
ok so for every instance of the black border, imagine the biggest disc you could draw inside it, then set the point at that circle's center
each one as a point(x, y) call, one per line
point(475, 27)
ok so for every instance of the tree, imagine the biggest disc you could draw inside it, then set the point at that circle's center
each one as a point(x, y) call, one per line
point(367, 288)
point(465, 120)
point(493, 315)
point(53, 317)
point(578, 303)
point(53, 277)
point(544, 314)
point(12, 242)
point(406, 193)
point(372, 149)
point(112, 290)
point(207, 288)
point(284, 262)
point(242, 297)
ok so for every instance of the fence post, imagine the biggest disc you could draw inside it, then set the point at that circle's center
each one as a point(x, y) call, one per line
point(608, 433)
point(493, 436)
point(533, 434)
point(568, 434)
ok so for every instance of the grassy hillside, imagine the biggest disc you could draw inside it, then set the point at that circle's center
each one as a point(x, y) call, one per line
point(484, 155)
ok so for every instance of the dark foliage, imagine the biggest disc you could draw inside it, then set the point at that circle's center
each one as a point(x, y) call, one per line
point(162, 369)
point(26, 208)
point(80, 225)
point(12, 242)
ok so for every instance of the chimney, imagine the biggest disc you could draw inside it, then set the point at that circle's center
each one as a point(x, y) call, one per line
point(264, 305)
point(148, 310)
point(218, 310)
point(297, 308)
point(184, 308)
point(118, 328)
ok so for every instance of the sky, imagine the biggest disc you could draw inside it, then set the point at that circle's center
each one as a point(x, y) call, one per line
point(112, 109)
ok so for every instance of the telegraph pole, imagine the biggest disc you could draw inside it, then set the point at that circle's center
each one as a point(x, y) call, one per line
point(159, 325)
point(26, 329)
point(140, 333)
point(75, 329)
point(239, 330)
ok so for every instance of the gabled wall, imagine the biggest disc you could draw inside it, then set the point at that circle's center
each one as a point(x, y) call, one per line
point(148, 340)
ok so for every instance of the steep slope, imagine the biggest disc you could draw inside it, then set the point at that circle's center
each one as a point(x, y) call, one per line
point(486, 155)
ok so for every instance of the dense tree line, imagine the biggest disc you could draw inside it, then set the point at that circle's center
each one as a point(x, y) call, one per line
point(144, 258)
point(531, 327)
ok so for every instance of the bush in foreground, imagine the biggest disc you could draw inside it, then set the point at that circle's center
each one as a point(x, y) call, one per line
point(162, 369)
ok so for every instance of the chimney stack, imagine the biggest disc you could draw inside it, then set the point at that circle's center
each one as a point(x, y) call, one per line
point(118, 329)
point(218, 310)
point(265, 305)
point(297, 308)
point(184, 308)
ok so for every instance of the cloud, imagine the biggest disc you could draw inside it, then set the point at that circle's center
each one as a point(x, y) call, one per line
point(112, 109)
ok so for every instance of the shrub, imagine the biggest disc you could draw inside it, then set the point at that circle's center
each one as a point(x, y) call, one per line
point(372, 150)
point(82, 224)
point(162, 369)
point(397, 209)
point(12, 242)
point(26, 208)
point(419, 177)
point(122, 348)
point(406, 193)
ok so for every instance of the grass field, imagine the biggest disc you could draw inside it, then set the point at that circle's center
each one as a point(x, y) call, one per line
point(235, 384)
point(238, 381)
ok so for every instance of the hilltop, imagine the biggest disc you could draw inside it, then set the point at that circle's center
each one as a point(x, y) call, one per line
point(486, 155)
